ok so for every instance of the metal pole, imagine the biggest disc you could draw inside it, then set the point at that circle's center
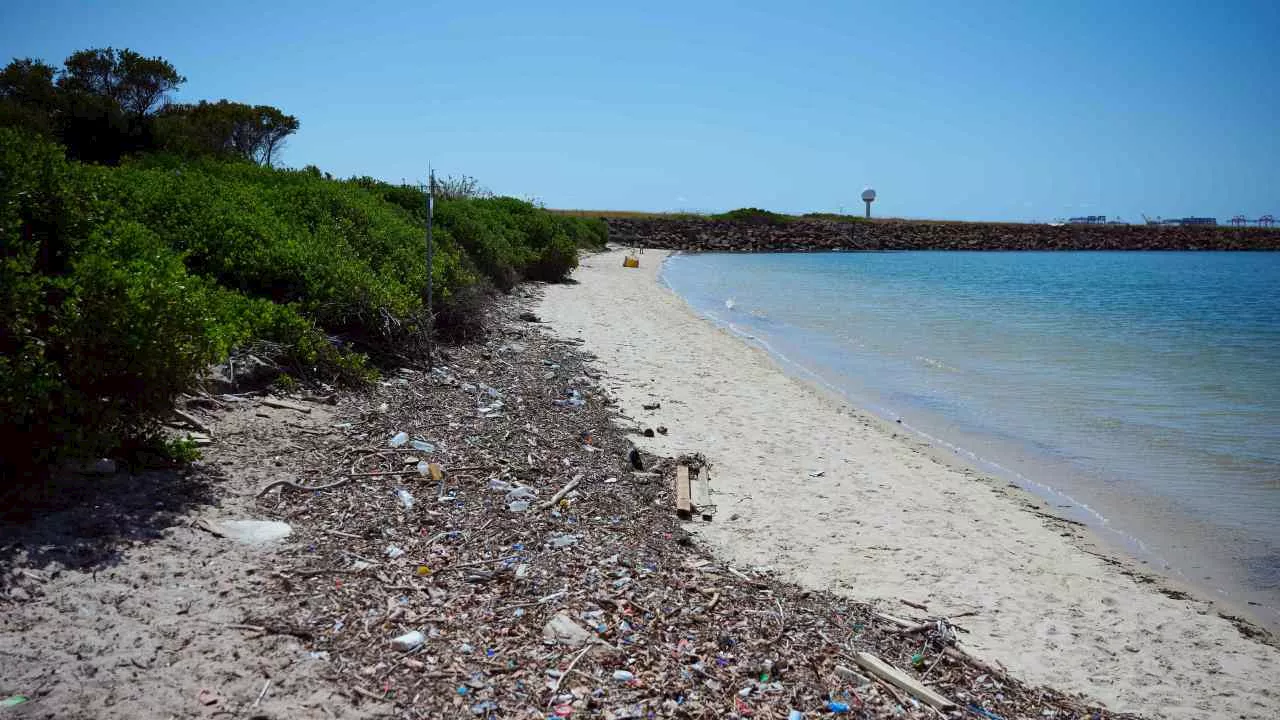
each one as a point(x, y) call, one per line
point(431, 252)
point(868, 209)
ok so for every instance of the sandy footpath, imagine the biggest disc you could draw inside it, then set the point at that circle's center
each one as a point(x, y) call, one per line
point(885, 520)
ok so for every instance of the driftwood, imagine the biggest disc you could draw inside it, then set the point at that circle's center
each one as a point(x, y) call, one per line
point(568, 488)
point(894, 676)
point(285, 405)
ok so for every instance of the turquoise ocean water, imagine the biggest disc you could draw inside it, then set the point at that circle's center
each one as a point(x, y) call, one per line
point(1137, 392)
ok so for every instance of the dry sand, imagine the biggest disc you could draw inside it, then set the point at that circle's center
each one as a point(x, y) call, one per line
point(119, 606)
point(889, 520)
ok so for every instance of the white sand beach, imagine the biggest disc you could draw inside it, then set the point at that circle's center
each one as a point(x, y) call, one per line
point(887, 520)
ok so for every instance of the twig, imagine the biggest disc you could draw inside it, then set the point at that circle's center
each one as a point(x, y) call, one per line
point(289, 483)
point(283, 405)
point(555, 690)
point(755, 583)
point(477, 562)
point(569, 486)
point(262, 694)
point(915, 605)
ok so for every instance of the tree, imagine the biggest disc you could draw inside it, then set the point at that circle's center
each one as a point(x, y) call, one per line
point(460, 187)
point(273, 127)
point(252, 132)
point(27, 95)
point(137, 83)
point(28, 80)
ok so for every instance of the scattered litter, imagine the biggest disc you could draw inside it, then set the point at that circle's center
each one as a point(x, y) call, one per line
point(562, 629)
point(398, 440)
point(394, 552)
point(208, 697)
point(252, 532)
point(530, 613)
point(817, 473)
point(422, 446)
point(13, 700)
point(405, 497)
point(408, 641)
point(560, 541)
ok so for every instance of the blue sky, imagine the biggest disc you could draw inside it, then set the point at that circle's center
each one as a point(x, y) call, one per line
point(996, 110)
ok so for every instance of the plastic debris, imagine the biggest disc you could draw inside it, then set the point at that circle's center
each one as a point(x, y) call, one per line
point(405, 497)
point(398, 440)
point(837, 707)
point(13, 700)
point(562, 629)
point(560, 541)
point(521, 493)
point(422, 446)
point(623, 675)
point(394, 552)
point(408, 641)
point(518, 505)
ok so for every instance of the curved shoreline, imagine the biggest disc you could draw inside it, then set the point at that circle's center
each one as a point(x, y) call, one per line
point(888, 519)
point(1128, 546)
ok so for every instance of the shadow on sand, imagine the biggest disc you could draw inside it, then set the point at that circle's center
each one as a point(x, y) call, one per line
point(85, 521)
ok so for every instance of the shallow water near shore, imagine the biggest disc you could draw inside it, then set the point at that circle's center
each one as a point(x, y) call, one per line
point(1136, 392)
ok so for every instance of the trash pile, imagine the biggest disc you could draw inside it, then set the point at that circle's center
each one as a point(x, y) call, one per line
point(485, 546)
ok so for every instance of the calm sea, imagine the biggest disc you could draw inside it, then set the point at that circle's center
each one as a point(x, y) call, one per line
point(1137, 392)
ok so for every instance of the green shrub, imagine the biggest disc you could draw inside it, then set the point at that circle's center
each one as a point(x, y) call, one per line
point(755, 216)
point(120, 285)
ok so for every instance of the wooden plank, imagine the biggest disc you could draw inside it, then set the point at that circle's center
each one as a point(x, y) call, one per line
point(894, 676)
point(702, 494)
point(683, 506)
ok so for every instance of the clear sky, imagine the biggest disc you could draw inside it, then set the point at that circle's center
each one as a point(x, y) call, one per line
point(994, 110)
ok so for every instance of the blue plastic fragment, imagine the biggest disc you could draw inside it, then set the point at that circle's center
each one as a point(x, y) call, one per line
point(983, 712)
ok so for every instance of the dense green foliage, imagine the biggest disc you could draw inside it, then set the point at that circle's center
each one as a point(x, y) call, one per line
point(119, 285)
point(754, 215)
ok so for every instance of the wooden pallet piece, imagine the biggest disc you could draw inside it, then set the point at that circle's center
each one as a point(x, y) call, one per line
point(702, 493)
point(684, 507)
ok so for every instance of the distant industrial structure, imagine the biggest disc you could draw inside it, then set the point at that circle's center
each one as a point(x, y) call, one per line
point(1095, 220)
point(1181, 221)
point(1264, 221)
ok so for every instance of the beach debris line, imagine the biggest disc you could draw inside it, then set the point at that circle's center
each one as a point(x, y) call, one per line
point(593, 602)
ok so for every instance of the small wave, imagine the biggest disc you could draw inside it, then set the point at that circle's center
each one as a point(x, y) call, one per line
point(729, 304)
point(937, 364)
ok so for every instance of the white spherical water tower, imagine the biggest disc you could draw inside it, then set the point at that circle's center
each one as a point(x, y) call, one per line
point(868, 197)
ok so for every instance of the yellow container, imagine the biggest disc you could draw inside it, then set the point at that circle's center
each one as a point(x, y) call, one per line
point(631, 261)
